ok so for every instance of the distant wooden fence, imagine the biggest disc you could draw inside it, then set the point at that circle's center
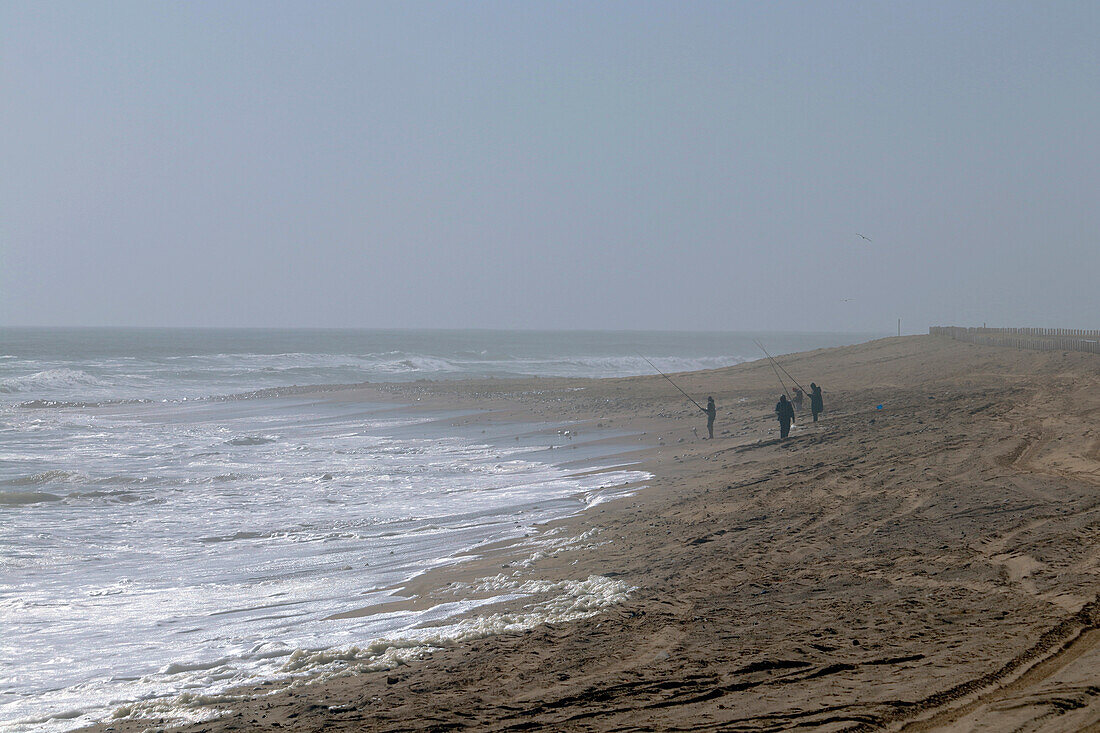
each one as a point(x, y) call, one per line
point(1038, 339)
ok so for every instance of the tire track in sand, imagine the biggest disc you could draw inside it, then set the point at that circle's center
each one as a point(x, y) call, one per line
point(1030, 692)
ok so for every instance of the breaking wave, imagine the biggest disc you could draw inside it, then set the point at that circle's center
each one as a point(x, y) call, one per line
point(245, 376)
point(49, 379)
point(245, 440)
point(55, 476)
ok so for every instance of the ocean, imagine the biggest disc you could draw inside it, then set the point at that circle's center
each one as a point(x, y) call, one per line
point(179, 516)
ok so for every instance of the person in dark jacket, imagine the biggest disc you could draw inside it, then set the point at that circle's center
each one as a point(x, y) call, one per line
point(712, 412)
point(785, 413)
point(817, 406)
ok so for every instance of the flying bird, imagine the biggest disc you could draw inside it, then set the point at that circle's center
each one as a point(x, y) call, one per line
point(862, 237)
point(847, 300)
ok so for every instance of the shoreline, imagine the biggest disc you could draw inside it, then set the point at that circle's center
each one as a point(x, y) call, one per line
point(568, 482)
point(842, 579)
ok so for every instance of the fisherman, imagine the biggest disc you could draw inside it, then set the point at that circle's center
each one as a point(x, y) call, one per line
point(817, 406)
point(710, 411)
point(797, 401)
point(785, 413)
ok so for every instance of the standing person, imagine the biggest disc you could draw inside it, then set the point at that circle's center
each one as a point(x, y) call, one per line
point(712, 412)
point(817, 405)
point(797, 401)
point(785, 413)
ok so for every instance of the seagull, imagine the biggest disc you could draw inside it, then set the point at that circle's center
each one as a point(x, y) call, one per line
point(847, 300)
point(861, 236)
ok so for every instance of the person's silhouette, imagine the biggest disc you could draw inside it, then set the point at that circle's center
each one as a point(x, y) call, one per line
point(817, 405)
point(785, 413)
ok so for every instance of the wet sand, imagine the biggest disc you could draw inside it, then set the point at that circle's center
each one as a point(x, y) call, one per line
point(931, 565)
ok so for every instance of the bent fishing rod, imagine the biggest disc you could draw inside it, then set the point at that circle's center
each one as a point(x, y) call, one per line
point(685, 394)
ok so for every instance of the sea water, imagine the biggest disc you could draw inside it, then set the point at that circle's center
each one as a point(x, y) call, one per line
point(178, 516)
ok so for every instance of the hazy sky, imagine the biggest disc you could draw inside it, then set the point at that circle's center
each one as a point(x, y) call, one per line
point(680, 165)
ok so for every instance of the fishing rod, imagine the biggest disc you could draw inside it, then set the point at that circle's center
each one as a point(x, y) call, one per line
point(776, 363)
point(781, 382)
point(685, 394)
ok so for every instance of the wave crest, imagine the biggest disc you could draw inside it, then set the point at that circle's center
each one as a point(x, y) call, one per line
point(46, 477)
point(49, 379)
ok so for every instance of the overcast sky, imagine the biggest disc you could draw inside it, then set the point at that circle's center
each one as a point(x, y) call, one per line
point(681, 165)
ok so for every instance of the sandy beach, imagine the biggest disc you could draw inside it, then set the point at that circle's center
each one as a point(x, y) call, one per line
point(930, 564)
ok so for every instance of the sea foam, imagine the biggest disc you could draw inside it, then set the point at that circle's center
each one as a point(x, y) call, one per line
point(557, 602)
